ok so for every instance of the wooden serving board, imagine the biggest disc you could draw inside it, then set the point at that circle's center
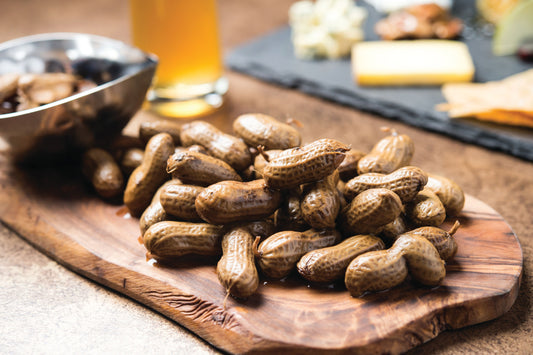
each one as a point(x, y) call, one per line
point(56, 211)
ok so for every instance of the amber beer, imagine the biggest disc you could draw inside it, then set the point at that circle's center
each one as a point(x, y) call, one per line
point(184, 35)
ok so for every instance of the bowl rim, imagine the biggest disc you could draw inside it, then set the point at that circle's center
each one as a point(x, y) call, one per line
point(150, 59)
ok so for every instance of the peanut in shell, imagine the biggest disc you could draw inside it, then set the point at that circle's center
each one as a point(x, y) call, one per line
point(387, 155)
point(234, 201)
point(305, 164)
point(169, 239)
point(147, 177)
point(258, 129)
point(236, 269)
point(406, 182)
point(218, 144)
point(199, 169)
point(329, 264)
point(370, 211)
point(278, 254)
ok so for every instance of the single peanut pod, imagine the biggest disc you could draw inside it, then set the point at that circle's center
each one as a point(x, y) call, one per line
point(375, 271)
point(422, 258)
point(329, 264)
point(234, 201)
point(392, 230)
point(147, 177)
point(426, 209)
point(173, 239)
point(442, 240)
point(389, 154)
point(348, 167)
point(154, 212)
point(450, 194)
point(220, 145)
point(278, 254)
point(260, 129)
point(103, 173)
point(199, 169)
point(131, 159)
point(148, 129)
point(236, 269)
point(320, 203)
point(178, 200)
point(260, 161)
point(370, 211)
point(310, 163)
point(289, 216)
point(406, 182)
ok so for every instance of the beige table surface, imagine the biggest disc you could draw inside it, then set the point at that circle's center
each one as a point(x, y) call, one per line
point(47, 309)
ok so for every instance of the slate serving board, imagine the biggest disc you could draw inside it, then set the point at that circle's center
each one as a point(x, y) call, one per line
point(270, 58)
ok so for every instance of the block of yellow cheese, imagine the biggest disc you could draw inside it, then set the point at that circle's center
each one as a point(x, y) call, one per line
point(416, 62)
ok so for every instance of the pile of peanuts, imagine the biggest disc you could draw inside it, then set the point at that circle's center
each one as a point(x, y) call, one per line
point(264, 203)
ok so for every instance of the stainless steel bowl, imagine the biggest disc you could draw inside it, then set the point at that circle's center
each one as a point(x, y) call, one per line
point(62, 129)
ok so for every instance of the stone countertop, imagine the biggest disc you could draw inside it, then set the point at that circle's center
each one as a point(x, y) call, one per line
point(47, 308)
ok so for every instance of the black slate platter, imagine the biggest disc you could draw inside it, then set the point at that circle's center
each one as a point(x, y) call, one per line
point(270, 58)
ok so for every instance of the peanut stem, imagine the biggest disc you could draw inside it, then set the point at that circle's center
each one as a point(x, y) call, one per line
point(294, 122)
point(454, 228)
point(261, 150)
point(256, 252)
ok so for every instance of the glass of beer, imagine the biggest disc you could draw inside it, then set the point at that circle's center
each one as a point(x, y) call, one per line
point(184, 35)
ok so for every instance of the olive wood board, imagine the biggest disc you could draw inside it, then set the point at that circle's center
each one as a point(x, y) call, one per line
point(55, 211)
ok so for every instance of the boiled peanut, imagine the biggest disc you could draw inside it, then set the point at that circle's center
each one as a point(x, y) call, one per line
point(148, 129)
point(178, 200)
point(236, 269)
point(309, 163)
point(370, 211)
point(422, 258)
point(442, 240)
point(172, 239)
point(154, 212)
point(278, 254)
point(199, 169)
point(131, 159)
point(260, 129)
point(348, 167)
point(320, 202)
point(220, 145)
point(147, 177)
point(425, 209)
point(103, 173)
point(375, 271)
point(262, 159)
point(289, 216)
point(233, 201)
point(449, 193)
point(329, 264)
point(406, 182)
point(389, 154)
point(383, 269)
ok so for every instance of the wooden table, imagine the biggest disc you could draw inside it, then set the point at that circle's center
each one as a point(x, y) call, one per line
point(48, 309)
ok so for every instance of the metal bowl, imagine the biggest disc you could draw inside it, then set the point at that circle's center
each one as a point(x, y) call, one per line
point(63, 129)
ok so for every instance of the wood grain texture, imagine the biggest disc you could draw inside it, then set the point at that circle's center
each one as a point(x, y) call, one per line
point(57, 213)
